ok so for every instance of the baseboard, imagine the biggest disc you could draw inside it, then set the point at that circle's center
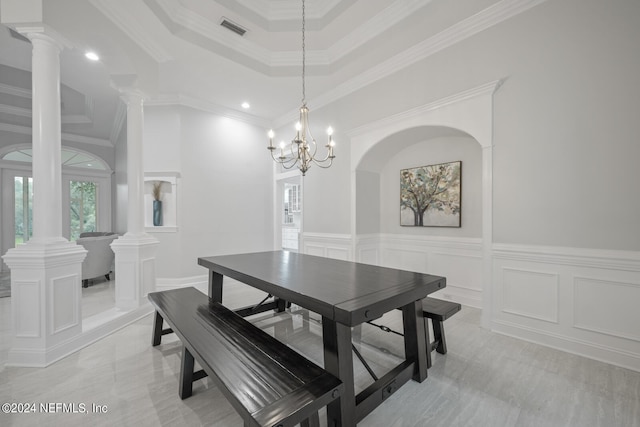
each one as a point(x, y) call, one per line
point(590, 350)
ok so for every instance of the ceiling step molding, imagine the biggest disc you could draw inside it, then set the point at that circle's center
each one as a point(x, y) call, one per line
point(483, 20)
point(131, 27)
point(209, 107)
point(186, 24)
point(15, 91)
point(24, 130)
point(385, 19)
point(15, 111)
point(283, 10)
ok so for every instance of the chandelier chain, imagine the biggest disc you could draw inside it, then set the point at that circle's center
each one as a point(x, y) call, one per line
point(302, 150)
point(304, 101)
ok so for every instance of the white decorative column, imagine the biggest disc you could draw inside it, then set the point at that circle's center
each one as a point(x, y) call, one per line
point(136, 250)
point(46, 271)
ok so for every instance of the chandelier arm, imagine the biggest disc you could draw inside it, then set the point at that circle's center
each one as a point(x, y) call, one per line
point(318, 161)
point(322, 165)
point(284, 161)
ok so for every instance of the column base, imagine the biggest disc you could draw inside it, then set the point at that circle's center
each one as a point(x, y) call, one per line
point(45, 299)
point(135, 269)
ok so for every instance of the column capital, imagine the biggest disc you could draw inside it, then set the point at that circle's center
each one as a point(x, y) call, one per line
point(132, 96)
point(127, 85)
point(44, 33)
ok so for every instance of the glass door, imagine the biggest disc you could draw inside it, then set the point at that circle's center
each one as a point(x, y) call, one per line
point(291, 214)
point(16, 209)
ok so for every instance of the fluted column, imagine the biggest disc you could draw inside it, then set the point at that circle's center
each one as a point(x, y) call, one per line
point(46, 271)
point(136, 250)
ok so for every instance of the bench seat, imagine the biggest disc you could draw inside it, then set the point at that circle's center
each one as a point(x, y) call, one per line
point(268, 383)
point(438, 311)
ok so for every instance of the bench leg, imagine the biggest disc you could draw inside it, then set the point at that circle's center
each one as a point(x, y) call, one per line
point(312, 421)
point(157, 330)
point(438, 333)
point(428, 340)
point(186, 374)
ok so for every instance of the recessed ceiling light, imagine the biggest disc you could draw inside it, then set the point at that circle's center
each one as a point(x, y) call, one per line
point(245, 105)
point(92, 56)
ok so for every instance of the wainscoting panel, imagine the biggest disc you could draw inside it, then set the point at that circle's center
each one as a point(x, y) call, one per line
point(582, 301)
point(617, 312)
point(64, 307)
point(336, 246)
point(457, 259)
point(531, 294)
point(26, 321)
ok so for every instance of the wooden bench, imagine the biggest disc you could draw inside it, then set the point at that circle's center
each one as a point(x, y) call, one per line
point(438, 311)
point(267, 383)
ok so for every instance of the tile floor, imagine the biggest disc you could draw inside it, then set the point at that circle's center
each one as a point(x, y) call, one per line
point(486, 379)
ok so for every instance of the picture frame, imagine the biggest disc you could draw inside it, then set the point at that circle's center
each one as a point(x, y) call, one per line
point(431, 196)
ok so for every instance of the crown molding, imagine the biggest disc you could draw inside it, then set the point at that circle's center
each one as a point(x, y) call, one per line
point(484, 89)
point(279, 10)
point(131, 27)
point(375, 26)
point(190, 22)
point(484, 19)
point(206, 106)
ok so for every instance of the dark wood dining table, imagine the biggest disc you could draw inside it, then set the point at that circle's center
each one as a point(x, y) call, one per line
point(345, 294)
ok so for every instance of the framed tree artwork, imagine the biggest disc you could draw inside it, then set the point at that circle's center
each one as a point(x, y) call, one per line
point(430, 196)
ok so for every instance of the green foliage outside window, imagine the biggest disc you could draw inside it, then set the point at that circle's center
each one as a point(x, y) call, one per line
point(83, 209)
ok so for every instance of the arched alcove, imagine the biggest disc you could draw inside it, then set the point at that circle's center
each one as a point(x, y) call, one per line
point(466, 113)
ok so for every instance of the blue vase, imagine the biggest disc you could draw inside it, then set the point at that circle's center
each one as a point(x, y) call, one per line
point(157, 213)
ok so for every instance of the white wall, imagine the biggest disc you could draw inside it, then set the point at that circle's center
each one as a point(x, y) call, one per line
point(434, 151)
point(565, 122)
point(224, 201)
point(565, 260)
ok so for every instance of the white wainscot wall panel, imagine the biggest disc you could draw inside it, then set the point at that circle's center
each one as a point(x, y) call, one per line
point(457, 259)
point(336, 246)
point(64, 308)
point(583, 301)
point(607, 307)
point(26, 321)
point(531, 294)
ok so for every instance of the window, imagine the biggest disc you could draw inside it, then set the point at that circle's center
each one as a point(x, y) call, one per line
point(83, 207)
point(23, 211)
point(86, 190)
point(70, 157)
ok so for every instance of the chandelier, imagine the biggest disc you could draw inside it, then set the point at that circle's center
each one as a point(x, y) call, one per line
point(303, 148)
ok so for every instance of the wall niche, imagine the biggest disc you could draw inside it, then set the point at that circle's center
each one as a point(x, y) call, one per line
point(166, 186)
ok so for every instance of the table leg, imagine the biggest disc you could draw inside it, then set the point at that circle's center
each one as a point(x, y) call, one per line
point(338, 360)
point(415, 345)
point(215, 286)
